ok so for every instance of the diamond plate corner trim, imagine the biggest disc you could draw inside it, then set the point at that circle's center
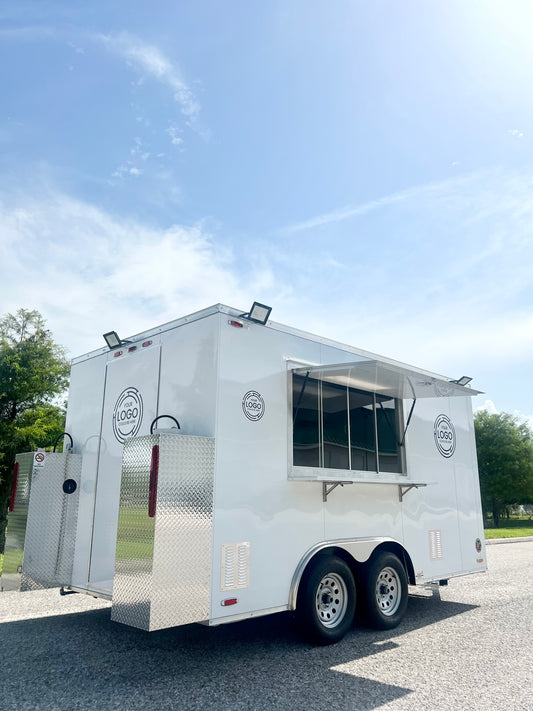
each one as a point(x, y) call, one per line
point(163, 564)
point(435, 545)
point(52, 522)
point(235, 566)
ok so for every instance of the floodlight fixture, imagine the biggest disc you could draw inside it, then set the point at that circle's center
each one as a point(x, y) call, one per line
point(113, 340)
point(462, 381)
point(259, 313)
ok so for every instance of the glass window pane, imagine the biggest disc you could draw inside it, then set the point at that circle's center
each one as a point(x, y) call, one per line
point(388, 436)
point(305, 437)
point(362, 431)
point(335, 423)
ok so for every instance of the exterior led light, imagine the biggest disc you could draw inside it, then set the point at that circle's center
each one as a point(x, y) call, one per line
point(112, 339)
point(259, 313)
point(462, 381)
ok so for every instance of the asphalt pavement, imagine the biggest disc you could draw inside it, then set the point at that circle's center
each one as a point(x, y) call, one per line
point(472, 649)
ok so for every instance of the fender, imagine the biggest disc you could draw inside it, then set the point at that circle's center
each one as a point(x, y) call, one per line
point(360, 549)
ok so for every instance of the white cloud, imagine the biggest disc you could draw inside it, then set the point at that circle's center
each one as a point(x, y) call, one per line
point(528, 419)
point(150, 60)
point(76, 48)
point(487, 406)
point(175, 135)
point(87, 271)
point(129, 167)
point(516, 133)
point(125, 170)
point(491, 408)
point(138, 150)
point(416, 193)
point(342, 213)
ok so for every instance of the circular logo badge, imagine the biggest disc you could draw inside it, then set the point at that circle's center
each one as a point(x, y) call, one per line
point(444, 433)
point(253, 405)
point(128, 414)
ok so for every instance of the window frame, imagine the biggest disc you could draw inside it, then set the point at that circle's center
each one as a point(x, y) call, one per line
point(320, 471)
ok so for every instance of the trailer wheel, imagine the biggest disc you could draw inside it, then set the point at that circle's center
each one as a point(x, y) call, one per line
point(385, 591)
point(326, 600)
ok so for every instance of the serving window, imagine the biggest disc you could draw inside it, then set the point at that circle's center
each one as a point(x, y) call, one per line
point(340, 427)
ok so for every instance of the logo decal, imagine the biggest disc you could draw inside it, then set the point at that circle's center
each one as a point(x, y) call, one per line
point(253, 405)
point(128, 414)
point(444, 433)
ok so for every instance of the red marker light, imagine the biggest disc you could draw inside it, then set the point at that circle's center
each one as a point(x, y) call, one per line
point(132, 348)
point(237, 324)
point(152, 486)
point(229, 601)
point(147, 343)
point(117, 354)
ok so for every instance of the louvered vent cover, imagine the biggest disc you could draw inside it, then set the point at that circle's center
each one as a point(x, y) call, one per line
point(435, 545)
point(235, 572)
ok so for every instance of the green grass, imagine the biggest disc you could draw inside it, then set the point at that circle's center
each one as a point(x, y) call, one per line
point(511, 528)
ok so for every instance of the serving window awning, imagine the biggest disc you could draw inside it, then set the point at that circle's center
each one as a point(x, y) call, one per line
point(386, 379)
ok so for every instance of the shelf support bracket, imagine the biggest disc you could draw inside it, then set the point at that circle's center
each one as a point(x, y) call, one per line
point(327, 489)
point(404, 489)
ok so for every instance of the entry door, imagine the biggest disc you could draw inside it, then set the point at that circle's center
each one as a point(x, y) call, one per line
point(130, 406)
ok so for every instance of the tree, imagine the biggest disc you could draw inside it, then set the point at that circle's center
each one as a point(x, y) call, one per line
point(505, 461)
point(33, 373)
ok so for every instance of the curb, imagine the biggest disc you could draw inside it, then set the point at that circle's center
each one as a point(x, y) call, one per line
point(496, 541)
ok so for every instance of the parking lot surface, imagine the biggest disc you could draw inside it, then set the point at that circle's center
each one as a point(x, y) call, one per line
point(473, 649)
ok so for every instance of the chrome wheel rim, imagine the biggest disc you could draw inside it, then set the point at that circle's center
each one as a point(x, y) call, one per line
point(331, 600)
point(388, 591)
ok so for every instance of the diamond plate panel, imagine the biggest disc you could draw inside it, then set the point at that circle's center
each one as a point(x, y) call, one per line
point(163, 569)
point(16, 526)
point(132, 585)
point(52, 522)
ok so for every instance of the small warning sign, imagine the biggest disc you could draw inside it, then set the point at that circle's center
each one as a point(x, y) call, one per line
point(38, 459)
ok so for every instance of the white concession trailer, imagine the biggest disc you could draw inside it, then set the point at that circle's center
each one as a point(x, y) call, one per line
point(223, 468)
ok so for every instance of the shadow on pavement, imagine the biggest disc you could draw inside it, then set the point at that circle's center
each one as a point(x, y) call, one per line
point(84, 661)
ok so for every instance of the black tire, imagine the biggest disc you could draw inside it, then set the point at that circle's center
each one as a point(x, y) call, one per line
point(326, 600)
point(385, 591)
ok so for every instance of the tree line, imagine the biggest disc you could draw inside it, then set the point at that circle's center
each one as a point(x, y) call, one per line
point(505, 462)
point(34, 377)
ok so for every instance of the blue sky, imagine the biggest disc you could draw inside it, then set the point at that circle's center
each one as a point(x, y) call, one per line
point(364, 167)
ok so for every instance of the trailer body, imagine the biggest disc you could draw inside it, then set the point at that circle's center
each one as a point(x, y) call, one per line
point(289, 446)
